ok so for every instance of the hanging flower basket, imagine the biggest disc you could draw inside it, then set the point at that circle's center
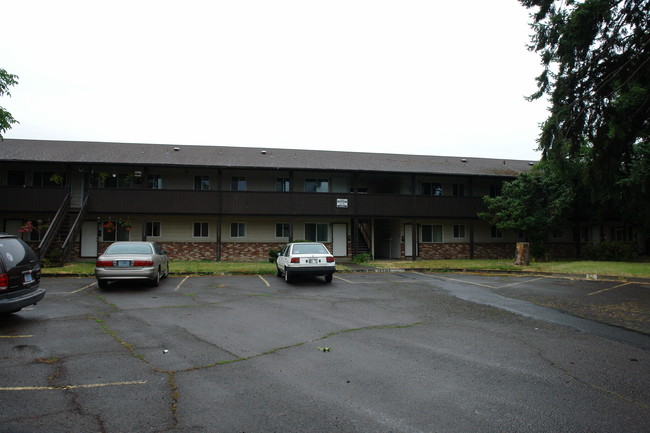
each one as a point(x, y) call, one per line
point(109, 226)
point(28, 227)
point(127, 225)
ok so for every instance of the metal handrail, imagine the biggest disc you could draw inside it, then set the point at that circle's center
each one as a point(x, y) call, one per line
point(72, 233)
point(54, 226)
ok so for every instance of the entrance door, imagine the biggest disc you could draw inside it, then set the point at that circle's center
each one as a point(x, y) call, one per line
point(89, 239)
point(340, 240)
point(409, 248)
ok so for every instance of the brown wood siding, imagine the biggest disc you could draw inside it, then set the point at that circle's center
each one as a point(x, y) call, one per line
point(280, 203)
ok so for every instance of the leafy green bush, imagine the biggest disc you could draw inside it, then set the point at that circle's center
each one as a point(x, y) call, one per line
point(360, 259)
point(612, 252)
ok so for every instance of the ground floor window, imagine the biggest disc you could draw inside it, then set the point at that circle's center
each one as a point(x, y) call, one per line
point(459, 231)
point(238, 230)
point(153, 229)
point(115, 231)
point(431, 233)
point(495, 232)
point(201, 229)
point(282, 230)
point(316, 232)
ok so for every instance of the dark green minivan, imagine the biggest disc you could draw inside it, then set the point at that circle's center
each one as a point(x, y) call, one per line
point(20, 275)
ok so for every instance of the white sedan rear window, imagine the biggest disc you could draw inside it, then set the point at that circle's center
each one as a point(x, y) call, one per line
point(309, 249)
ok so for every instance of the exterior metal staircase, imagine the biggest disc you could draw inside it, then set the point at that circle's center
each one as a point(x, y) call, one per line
point(56, 245)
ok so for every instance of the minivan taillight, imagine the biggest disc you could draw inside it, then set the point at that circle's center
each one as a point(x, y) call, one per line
point(4, 281)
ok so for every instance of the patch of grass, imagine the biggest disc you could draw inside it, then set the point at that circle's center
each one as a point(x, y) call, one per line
point(625, 269)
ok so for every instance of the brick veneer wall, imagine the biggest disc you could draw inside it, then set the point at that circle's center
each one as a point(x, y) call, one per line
point(443, 251)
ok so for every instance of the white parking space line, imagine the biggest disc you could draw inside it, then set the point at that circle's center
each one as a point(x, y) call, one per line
point(608, 289)
point(181, 283)
point(265, 282)
point(16, 336)
point(455, 279)
point(91, 385)
point(522, 282)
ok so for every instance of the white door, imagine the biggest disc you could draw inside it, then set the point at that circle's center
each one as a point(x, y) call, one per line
point(408, 241)
point(340, 240)
point(89, 239)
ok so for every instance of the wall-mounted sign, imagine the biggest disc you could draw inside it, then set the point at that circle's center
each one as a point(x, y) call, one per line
point(342, 203)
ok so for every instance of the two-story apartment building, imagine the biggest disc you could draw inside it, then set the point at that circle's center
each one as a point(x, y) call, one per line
point(230, 203)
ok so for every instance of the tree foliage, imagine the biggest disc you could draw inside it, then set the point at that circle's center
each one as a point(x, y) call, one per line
point(534, 203)
point(6, 119)
point(596, 73)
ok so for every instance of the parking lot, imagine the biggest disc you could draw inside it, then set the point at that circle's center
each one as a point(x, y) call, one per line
point(369, 352)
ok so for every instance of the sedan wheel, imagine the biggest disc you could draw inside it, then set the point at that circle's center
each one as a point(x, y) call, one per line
point(287, 277)
point(103, 284)
point(279, 272)
point(156, 281)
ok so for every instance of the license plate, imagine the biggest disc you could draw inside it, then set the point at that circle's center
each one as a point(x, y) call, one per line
point(28, 278)
point(122, 263)
point(313, 260)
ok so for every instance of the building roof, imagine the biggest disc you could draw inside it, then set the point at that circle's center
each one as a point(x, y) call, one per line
point(86, 152)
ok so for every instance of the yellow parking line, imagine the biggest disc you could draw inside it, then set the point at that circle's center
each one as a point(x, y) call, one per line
point(343, 279)
point(16, 336)
point(609, 288)
point(83, 288)
point(91, 385)
point(181, 283)
point(265, 282)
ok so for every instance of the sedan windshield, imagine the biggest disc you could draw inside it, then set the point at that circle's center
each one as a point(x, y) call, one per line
point(309, 249)
point(128, 249)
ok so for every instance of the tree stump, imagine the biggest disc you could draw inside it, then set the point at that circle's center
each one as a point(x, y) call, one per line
point(523, 254)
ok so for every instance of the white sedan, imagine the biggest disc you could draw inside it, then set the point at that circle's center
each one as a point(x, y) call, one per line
point(305, 258)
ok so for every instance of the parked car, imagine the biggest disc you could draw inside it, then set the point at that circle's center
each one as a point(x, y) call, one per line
point(132, 261)
point(20, 275)
point(305, 258)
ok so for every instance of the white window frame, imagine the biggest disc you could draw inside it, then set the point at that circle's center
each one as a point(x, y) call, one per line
point(241, 226)
point(201, 234)
point(148, 233)
point(432, 241)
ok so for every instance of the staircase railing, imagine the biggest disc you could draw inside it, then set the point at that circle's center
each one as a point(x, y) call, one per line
point(53, 229)
point(73, 232)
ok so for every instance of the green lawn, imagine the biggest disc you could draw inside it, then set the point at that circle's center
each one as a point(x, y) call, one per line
point(624, 269)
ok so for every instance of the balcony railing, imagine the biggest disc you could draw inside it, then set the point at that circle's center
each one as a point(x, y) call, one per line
point(279, 203)
point(41, 199)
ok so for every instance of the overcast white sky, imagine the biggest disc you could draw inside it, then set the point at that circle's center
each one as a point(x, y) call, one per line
point(400, 76)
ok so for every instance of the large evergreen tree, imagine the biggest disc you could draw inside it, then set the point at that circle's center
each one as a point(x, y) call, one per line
point(596, 73)
point(6, 119)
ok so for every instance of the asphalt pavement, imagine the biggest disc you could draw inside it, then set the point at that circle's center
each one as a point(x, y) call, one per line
point(370, 352)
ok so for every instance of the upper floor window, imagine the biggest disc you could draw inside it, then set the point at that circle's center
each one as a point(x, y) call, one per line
point(431, 233)
point(155, 181)
point(238, 183)
point(15, 178)
point(458, 190)
point(47, 178)
point(430, 188)
point(282, 184)
point(201, 182)
point(317, 185)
